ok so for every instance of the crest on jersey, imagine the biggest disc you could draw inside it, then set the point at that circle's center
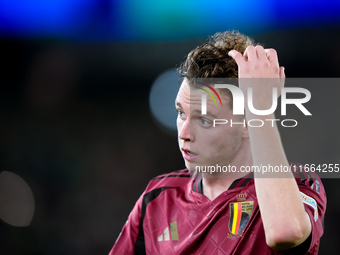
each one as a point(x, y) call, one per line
point(240, 213)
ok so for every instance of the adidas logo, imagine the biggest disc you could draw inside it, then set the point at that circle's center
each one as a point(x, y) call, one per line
point(173, 233)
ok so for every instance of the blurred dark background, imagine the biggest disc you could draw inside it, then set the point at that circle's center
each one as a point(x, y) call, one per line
point(76, 128)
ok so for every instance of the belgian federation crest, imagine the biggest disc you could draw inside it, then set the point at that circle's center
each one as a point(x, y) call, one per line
point(240, 213)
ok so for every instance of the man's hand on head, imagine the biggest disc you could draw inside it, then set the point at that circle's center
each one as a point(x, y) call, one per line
point(254, 66)
point(257, 62)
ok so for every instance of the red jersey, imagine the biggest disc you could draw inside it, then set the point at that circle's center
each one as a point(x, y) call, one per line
point(174, 217)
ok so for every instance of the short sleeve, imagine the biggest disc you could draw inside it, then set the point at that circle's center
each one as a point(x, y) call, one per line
point(314, 199)
point(126, 241)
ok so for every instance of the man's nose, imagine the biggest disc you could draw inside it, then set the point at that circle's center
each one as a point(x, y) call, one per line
point(185, 132)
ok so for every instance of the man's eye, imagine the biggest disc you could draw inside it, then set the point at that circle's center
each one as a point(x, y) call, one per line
point(180, 113)
point(205, 122)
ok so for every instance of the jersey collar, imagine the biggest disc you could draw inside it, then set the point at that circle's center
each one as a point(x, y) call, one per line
point(242, 182)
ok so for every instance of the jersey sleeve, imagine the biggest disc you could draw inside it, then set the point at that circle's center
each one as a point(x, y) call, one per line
point(126, 241)
point(314, 199)
point(313, 196)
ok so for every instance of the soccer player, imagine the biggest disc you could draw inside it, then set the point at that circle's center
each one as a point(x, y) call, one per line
point(188, 212)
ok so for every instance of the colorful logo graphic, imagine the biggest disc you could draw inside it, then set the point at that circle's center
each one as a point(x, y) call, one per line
point(239, 216)
point(213, 90)
point(310, 201)
point(204, 97)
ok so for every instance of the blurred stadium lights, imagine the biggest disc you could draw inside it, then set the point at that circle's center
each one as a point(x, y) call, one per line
point(16, 200)
point(162, 99)
point(145, 20)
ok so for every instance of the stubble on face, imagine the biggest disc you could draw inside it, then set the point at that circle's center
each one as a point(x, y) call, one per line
point(213, 145)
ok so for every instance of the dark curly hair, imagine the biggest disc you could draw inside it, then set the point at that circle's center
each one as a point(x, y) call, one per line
point(211, 59)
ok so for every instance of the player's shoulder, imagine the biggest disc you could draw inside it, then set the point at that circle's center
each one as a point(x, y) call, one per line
point(306, 177)
point(170, 180)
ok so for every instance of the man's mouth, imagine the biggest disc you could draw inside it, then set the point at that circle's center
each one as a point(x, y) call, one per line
point(189, 155)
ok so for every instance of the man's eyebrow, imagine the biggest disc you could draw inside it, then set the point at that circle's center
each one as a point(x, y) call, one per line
point(178, 104)
point(208, 113)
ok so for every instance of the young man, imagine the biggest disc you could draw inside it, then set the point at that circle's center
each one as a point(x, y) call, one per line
point(234, 212)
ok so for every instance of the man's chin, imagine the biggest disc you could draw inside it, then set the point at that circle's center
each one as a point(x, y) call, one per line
point(191, 166)
point(188, 164)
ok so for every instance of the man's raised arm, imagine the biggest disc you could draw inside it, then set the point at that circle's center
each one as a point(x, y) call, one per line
point(285, 221)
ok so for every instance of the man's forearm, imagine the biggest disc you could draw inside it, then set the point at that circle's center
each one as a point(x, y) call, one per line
point(285, 221)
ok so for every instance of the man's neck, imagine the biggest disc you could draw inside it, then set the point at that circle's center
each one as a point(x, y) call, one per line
point(213, 187)
point(215, 184)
